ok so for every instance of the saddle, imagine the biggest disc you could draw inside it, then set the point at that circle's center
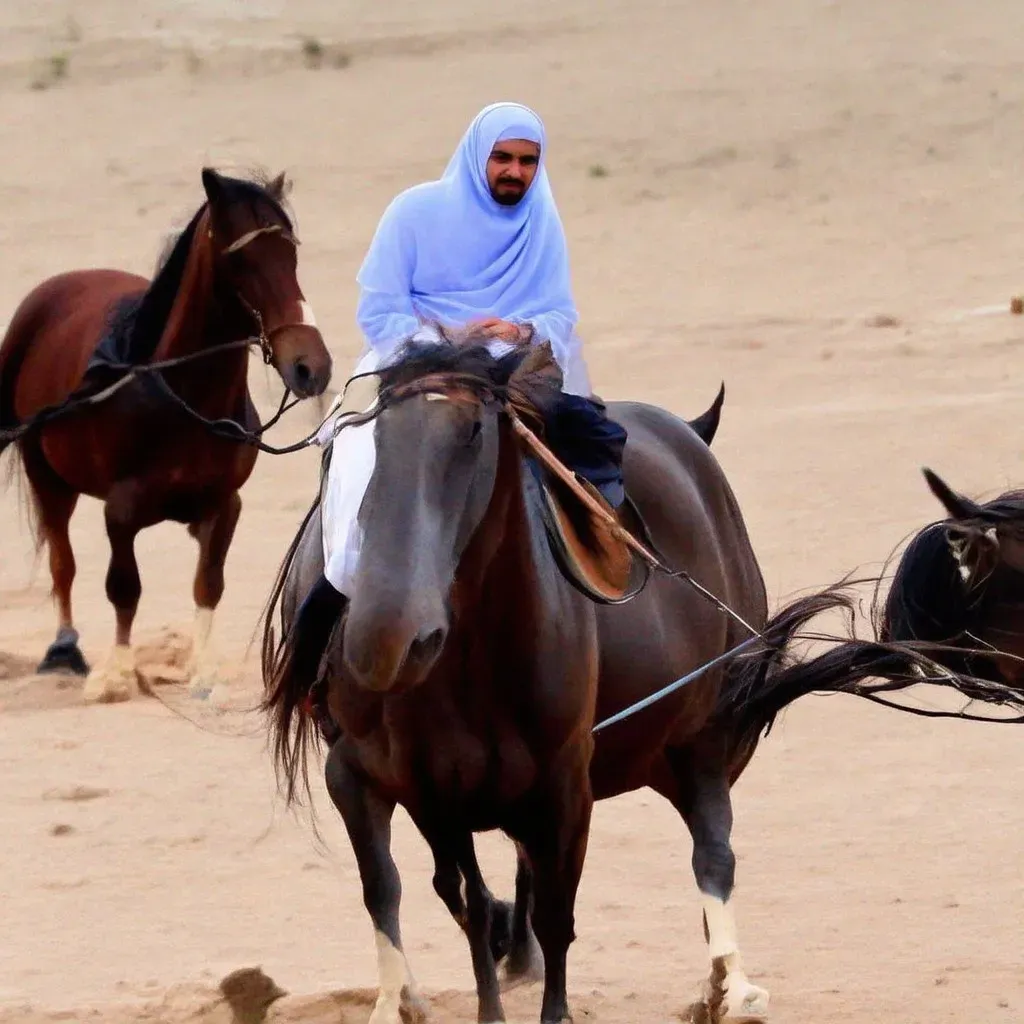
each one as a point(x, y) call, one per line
point(592, 556)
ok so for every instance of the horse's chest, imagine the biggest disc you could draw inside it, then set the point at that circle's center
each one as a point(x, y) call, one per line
point(450, 770)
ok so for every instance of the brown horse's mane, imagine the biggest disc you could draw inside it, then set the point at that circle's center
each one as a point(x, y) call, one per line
point(138, 322)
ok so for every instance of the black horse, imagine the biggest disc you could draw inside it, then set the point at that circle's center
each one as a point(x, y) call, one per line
point(961, 582)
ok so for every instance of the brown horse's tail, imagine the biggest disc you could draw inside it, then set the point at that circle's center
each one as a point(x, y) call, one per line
point(12, 355)
point(13, 349)
point(761, 684)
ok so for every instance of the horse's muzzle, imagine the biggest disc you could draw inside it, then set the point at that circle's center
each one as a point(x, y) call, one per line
point(392, 655)
point(302, 360)
point(306, 377)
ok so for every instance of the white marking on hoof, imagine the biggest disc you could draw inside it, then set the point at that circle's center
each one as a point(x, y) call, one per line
point(396, 987)
point(728, 994)
point(113, 681)
point(744, 1001)
point(203, 669)
point(306, 314)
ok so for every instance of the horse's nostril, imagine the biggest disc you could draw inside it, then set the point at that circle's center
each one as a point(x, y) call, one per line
point(428, 648)
point(303, 374)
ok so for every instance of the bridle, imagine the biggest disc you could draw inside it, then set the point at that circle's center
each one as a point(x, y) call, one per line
point(263, 337)
point(224, 427)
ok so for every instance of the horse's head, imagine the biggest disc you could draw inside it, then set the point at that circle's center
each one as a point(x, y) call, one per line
point(442, 452)
point(982, 536)
point(255, 255)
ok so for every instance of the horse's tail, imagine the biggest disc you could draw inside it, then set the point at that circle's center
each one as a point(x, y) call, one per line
point(761, 684)
point(13, 349)
point(292, 730)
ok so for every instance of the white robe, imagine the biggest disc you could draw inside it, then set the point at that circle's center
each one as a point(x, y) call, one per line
point(352, 462)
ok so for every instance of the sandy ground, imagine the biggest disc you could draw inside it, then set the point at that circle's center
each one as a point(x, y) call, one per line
point(801, 198)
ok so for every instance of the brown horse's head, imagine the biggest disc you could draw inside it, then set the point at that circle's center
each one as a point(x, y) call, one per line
point(434, 485)
point(255, 256)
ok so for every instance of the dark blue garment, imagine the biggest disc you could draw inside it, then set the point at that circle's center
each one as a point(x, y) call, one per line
point(580, 433)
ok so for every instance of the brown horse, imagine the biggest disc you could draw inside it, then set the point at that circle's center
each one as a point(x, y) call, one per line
point(960, 582)
point(229, 276)
point(463, 673)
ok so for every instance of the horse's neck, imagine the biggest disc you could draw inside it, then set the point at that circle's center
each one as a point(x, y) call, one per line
point(201, 319)
point(509, 555)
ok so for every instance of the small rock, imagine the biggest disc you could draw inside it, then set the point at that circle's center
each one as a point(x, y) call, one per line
point(884, 320)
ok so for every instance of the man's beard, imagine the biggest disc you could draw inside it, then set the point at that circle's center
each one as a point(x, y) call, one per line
point(509, 198)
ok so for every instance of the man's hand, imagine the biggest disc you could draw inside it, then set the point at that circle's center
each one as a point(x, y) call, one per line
point(492, 327)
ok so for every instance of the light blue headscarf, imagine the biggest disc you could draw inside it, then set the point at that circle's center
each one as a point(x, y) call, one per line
point(447, 251)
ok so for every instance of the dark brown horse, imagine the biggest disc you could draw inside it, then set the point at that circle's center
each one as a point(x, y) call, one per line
point(230, 276)
point(463, 673)
point(960, 582)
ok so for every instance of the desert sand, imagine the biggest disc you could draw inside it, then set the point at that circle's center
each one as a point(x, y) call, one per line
point(809, 200)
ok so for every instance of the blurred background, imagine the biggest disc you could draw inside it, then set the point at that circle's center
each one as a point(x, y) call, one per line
point(816, 201)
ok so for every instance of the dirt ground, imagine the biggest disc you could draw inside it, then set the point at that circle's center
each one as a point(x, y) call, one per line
point(814, 201)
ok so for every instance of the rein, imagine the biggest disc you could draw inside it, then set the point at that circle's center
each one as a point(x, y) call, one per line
point(224, 427)
point(516, 406)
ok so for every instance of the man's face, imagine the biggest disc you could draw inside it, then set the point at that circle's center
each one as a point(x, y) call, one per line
point(511, 169)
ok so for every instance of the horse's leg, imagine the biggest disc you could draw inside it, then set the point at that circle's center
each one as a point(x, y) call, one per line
point(55, 504)
point(455, 859)
point(555, 839)
point(701, 795)
point(116, 678)
point(503, 941)
point(368, 821)
point(524, 961)
point(214, 534)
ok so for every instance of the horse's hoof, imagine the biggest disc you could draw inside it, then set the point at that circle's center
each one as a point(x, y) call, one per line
point(745, 1003)
point(64, 656)
point(733, 1000)
point(414, 1007)
point(408, 1009)
point(115, 680)
point(524, 965)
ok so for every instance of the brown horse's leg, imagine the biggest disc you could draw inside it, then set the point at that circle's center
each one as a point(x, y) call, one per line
point(116, 679)
point(700, 792)
point(214, 535)
point(367, 820)
point(555, 840)
point(55, 504)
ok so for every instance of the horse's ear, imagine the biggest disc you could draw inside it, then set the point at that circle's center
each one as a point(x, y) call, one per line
point(213, 185)
point(280, 187)
point(955, 504)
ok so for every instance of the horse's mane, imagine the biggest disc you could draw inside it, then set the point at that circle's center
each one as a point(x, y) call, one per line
point(1009, 505)
point(137, 323)
point(532, 371)
point(927, 599)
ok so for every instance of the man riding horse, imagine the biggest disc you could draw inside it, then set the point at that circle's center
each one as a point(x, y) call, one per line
point(480, 255)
